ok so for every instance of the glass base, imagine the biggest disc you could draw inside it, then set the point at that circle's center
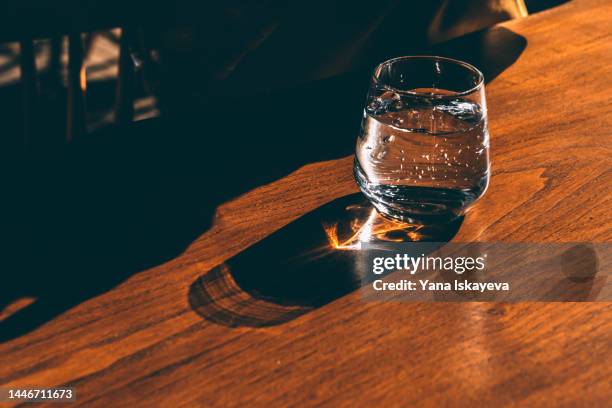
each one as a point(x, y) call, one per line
point(418, 204)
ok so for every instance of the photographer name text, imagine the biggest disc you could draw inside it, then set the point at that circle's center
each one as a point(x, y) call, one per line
point(427, 285)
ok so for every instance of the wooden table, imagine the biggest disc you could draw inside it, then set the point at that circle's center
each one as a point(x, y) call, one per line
point(141, 344)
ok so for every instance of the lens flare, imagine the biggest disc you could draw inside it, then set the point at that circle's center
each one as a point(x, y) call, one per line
point(373, 228)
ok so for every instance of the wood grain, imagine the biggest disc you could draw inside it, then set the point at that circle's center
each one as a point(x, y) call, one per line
point(140, 344)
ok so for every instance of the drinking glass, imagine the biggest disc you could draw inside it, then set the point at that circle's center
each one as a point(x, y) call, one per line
point(422, 154)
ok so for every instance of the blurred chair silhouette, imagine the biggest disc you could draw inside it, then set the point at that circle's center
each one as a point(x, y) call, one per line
point(35, 19)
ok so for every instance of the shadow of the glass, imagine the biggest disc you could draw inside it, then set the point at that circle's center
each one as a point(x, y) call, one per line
point(305, 265)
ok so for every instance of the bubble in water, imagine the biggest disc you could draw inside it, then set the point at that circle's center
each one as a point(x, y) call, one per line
point(381, 154)
point(388, 139)
point(397, 121)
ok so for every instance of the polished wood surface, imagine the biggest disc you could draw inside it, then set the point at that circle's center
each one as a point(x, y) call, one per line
point(141, 344)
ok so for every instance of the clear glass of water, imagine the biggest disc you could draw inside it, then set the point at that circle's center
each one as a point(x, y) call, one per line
point(422, 154)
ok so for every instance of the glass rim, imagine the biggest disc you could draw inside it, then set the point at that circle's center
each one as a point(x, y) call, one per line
point(468, 66)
